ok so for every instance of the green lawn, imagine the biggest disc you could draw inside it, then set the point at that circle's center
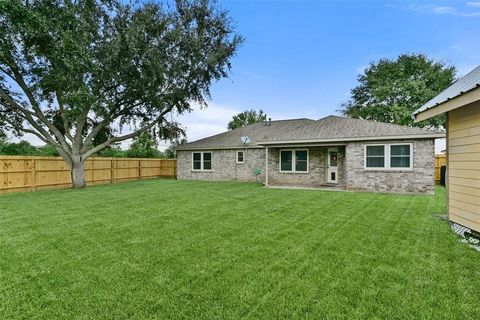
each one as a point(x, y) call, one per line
point(180, 249)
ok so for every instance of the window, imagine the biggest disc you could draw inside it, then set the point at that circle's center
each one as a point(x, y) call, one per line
point(202, 161)
point(400, 156)
point(293, 160)
point(240, 157)
point(286, 160)
point(301, 160)
point(197, 161)
point(395, 156)
point(207, 161)
point(375, 156)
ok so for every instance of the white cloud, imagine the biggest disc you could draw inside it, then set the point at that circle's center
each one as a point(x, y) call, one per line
point(446, 10)
point(473, 4)
point(32, 139)
point(201, 123)
point(392, 5)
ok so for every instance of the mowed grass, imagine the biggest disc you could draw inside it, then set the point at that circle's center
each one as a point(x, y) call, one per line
point(182, 249)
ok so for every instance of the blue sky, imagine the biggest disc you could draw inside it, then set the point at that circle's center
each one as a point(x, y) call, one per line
point(301, 58)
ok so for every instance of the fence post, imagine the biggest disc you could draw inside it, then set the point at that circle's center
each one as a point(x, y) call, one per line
point(139, 169)
point(111, 170)
point(33, 172)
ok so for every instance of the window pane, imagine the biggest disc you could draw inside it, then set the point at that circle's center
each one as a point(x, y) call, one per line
point(197, 156)
point(240, 156)
point(301, 155)
point(333, 158)
point(286, 160)
point(301, 165)
point(400, 162)
point(207, 156)
point(301, 160)
point(375, 150)
point(375, 162)
point(196, 165)
point(400, 150)
point(207, 165)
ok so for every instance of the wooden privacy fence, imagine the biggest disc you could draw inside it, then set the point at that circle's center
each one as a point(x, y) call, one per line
point(22, 173)
point(440, 160)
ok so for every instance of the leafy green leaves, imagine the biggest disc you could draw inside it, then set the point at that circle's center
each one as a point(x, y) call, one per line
point(245, 118)
point(391, 90)
point(103, 65)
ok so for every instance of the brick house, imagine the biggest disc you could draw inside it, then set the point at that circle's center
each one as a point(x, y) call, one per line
point(337, 152)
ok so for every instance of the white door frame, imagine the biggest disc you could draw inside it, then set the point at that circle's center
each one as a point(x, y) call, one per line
point(332, 171)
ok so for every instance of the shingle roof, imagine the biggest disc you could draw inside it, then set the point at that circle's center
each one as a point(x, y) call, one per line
point(307, 130)
point(469, 82)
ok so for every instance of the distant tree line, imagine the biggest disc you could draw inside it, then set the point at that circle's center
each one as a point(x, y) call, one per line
point(144, 146)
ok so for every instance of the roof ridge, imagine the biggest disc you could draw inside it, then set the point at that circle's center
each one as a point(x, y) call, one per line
point(385, 123)
point(293, 119)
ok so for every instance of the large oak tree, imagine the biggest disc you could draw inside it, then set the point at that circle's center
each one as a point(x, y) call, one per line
point(82, 75)
point(391, 90)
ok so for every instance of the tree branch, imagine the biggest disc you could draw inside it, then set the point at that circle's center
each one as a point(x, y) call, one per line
point(27, 115)
point(61, 110)
point(36, 108)
point(77, 140)
point(88, 140)
point(127, 136)
point(19, 127)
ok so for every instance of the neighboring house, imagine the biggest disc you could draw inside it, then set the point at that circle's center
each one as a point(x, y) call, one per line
point(346, 153)
point(461, 103)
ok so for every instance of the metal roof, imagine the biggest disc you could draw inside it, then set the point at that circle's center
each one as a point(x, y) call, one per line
point(331, 128)
point(467, 83)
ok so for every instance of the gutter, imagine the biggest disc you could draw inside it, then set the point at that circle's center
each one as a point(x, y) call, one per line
point(433, 135)
point(220, 148)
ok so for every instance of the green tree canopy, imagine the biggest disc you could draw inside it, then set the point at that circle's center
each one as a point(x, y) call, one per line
point(24, 148)
point(245, 118)
point(74, 71)
point(391, 90)
point(144, 146)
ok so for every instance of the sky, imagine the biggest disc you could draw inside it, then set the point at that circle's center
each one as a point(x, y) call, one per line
point(301, 58)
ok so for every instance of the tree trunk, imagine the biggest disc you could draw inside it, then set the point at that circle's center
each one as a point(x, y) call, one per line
point(78, 175)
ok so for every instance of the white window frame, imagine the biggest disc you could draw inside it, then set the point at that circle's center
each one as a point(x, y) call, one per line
point(384, 155)
point(387, 155)
point(202, 161)
point(294, 170)
point(243, 157)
